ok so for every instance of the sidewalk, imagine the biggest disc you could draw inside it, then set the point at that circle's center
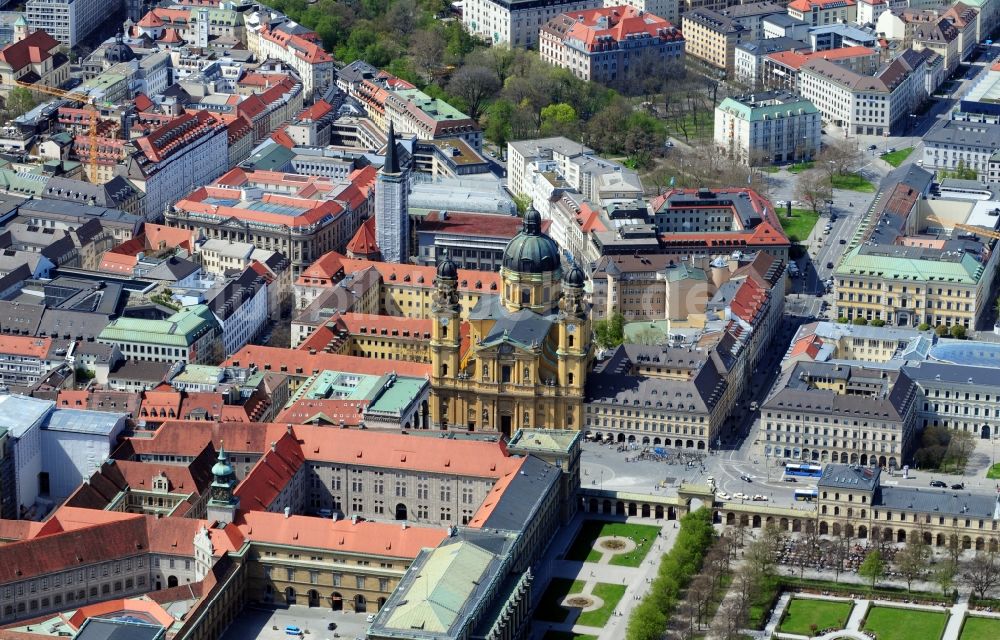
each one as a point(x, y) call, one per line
point(637, 579)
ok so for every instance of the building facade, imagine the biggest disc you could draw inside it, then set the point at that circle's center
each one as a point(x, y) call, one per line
point(769, 128)
point(525, 362)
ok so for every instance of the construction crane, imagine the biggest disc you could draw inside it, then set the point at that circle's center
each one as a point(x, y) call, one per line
point(92, 173)
point(979, 231)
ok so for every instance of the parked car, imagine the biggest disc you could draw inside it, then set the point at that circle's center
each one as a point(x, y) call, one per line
point(370, 618)
point(939, 484)
point(872, 147)
point(829, 265)
point(958, 486)
point(790, 479)
point(331, 626)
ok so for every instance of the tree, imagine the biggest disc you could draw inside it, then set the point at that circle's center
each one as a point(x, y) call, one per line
point(958, 332)
point(944, 575)
point(813, 188)
point(19, 102)
point(860, 321)
point(878, 322)
point(427, 51)
point(923, 326)
point(523, 202)
point(558, 119)
point(982, 574)
point(873, 567)
point(912, 560)
point(498, 123)
point(499, 59)
point(474, 86)
point(610, 333)
point(839, 157)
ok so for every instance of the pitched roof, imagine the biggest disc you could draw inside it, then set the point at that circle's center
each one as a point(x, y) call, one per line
point(362, 537)
point(364, 242)
point(305, 364)
point(33, 49)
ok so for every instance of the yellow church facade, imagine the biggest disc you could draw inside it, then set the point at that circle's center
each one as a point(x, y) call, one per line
point(521, 359)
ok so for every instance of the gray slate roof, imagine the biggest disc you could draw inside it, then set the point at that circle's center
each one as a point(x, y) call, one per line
point(845, 476)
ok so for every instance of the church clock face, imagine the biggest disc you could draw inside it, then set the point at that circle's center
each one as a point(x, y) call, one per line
point(220, 493)
point(571, 327)
point(444, 322)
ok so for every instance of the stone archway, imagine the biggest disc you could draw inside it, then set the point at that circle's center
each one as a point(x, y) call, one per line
point(313, 598)
point(336, 602)
point(401, 511)
point(289, 595)
point(360, 604)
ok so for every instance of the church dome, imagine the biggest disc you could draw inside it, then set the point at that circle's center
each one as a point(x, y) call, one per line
point(575, 277)
point(119, 51)
point(446, 268)
point(531, 251)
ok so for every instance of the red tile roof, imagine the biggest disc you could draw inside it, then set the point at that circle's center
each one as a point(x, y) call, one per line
point(35, 48)
point(272, 473)
point(749, 301)
point(364, 242)
point(809, 345)
point(304, 48)
point(363, 537)
point(594, 28)
point(305, 364)
point(318, 109)
point(795, 60)
point(479, 224)
point(807, 5)
point(351, 412)
point(333, 266)
point(25, 346)
point(166, 139)
point(188, 438)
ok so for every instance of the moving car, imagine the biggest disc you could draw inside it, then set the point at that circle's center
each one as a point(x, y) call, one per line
point(746, 478)
point(370, 618)
point(829, 265)
point(958, 485)
point(843, 241)
point(939, 484)
point(872, 147)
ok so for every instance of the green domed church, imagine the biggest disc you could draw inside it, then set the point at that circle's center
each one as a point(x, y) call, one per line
point(521, 358)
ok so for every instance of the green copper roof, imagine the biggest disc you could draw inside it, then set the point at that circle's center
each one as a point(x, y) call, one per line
point(966, 270)
point(398, 395)
point(179, 330)
point(443, 585)
point(772, 111)
point(439, 110)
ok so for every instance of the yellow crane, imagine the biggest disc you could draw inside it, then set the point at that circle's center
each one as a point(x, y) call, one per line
point(91, 164)
point(979, 231)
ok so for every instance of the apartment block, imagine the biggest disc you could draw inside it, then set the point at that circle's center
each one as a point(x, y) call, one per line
point(822, 12)
point(515, 23)
point(69, 21)
point(768, 128)
point(613, 45)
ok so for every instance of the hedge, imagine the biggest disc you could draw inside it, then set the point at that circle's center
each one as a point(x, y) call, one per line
point(649, 620)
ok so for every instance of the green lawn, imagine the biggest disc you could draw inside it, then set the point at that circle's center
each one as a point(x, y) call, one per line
point(566, 635)
point(852, 182)
point(889, 623)
point(550, 608)
point(611, 594)
point(980, 629)
point(800, 167)
point(582, 549)
point(897, 157)
point(769, 169)
point(994, 472)
point(800, 225)
point(802, 613)
point(699, 125)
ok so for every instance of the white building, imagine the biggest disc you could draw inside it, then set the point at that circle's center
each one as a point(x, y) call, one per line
point(171, 161)
point(669, 10)
point(870, 10)
point(293, 44)
point(768, 128)
point(955, 142)
point(75, 443)
point(868, 105)
point(515, 23)
point(240, 308)
point(69, 21)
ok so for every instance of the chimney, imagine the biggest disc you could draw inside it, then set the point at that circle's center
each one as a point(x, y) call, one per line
point(288, 511)
point(274, 446)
